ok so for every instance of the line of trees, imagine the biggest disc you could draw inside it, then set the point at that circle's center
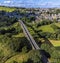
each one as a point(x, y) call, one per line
point(7, 21)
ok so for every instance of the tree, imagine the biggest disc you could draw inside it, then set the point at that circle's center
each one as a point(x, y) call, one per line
point(24, 49)
point(35, 56)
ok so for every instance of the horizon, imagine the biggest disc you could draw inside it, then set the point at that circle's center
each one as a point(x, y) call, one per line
point(31, 3)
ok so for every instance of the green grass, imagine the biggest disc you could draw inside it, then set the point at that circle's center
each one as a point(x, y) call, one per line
point(46, 28)
point(58, 48)
point(19, 58)
point(57, 24)
point(7, 9)
point(55, 43)
point(19, 35)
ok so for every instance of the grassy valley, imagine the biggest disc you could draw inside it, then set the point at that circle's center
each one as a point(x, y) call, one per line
point(14, 46)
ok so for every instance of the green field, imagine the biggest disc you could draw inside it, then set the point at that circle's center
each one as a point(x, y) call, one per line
point(46, 28)
point(57, 24)
point(7, 9)
point(56, 43)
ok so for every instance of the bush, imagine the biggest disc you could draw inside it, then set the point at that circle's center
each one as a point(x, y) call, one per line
point(7, 21)
point(44, 22)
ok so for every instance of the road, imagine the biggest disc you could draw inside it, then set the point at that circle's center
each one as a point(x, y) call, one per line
point(32, 41)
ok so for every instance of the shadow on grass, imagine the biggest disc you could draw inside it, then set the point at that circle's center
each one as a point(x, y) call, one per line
point(45, 53)
point(45, 56)
point(58, 48)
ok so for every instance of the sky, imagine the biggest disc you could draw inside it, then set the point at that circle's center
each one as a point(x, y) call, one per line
point(31, 3)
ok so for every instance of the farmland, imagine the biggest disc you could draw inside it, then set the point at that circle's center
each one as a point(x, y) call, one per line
point(7, 9)
point(46, 28)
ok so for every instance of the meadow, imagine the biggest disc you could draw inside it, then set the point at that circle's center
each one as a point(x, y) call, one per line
point(7, 9)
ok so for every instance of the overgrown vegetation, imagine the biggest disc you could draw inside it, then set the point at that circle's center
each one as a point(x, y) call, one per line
point(15, 48)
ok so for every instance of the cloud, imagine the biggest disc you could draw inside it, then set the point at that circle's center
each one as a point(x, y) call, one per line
point(7, 1)
point(30, 3)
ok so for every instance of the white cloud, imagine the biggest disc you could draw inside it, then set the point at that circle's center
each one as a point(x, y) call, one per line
point(8, 1)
